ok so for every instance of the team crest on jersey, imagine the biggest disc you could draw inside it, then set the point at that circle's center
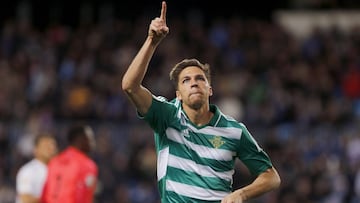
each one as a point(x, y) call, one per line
point(217, 141)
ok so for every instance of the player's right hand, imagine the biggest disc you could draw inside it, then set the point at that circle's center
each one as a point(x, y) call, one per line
point(158, 28)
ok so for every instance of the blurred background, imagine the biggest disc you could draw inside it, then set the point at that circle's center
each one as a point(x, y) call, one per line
point(289, 70)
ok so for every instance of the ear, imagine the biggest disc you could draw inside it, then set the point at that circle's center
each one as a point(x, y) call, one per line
point(210, 91)
point(178, 95)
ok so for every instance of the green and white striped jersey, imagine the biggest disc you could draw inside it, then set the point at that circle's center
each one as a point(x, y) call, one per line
point(196, 164)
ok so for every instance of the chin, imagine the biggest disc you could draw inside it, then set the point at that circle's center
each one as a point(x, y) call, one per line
point(196, 105)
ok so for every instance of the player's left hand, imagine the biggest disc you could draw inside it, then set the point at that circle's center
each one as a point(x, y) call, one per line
point(234, 197)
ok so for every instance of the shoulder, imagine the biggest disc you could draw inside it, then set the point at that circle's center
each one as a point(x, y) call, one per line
point(162, 105)
point(30, 165)
point(25, 169)
point(32, 168)
point(225, 120)
point(59, 159)
point(80, 159)
point(161, 100)
point(87, 165)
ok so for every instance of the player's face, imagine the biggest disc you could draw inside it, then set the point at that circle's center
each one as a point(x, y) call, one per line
point(46, 149)
point(193, 87)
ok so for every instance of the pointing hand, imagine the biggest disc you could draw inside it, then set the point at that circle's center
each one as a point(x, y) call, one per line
point(158, 28)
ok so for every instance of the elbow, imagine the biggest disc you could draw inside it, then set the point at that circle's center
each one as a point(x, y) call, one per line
point(276, 181)
point(127, 86)
point(272, 179)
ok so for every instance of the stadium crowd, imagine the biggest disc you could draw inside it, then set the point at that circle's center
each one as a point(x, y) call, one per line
point(300, 98)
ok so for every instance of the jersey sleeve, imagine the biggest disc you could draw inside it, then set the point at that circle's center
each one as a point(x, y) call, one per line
point(252, 155)
point(159, 114)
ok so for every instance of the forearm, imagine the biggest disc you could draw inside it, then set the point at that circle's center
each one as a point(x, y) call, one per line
point(265, 182)
point(135, 74)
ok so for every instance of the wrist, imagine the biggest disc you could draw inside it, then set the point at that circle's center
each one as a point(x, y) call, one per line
point(241, 194)
point(153, 40)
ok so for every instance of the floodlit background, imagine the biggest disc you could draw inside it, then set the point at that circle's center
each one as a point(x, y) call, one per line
point(289, 70)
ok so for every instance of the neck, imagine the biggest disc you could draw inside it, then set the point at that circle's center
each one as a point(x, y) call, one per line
point(43, 160)
point(200, 116)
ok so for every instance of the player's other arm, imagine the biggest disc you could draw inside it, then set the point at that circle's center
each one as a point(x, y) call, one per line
point(133, 77)
point(265, 182)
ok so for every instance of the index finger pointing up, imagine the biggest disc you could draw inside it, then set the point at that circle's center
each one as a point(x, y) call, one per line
point(163, 11)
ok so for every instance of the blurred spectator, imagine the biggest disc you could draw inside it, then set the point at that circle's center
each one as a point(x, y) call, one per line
point(72, 174)
point(351, 82)
point(31, 177)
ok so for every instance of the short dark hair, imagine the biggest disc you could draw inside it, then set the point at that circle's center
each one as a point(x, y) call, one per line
point(75, 131)
point(176, 70)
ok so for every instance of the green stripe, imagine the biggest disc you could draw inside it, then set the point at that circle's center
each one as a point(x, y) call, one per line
point(191, 178)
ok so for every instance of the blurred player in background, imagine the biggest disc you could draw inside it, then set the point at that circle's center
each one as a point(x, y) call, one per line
point(196, 144)
point(31, 177)
point(72, 174)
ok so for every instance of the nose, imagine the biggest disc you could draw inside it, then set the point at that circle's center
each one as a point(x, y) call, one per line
point(194, 83)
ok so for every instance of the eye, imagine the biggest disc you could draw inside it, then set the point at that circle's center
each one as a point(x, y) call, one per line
point(186, 80)
point(200, 77)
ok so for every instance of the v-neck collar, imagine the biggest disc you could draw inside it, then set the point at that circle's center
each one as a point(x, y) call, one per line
point(213, 121)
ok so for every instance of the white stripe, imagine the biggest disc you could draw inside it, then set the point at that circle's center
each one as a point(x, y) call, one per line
point(195, 192)
point(229, 132)
point(202, 151)
point(202, 170)
point(162, 161)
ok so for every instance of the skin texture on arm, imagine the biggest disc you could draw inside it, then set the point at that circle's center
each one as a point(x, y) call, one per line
point(265, 182)
point(132, 79)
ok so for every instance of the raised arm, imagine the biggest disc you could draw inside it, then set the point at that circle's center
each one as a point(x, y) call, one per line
point(140, 96)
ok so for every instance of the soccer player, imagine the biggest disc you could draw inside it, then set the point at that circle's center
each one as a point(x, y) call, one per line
point(31, 176)
point(72, 174)
point(196, 144)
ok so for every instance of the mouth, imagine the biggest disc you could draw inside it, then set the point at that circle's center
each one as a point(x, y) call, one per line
point(195, 93)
